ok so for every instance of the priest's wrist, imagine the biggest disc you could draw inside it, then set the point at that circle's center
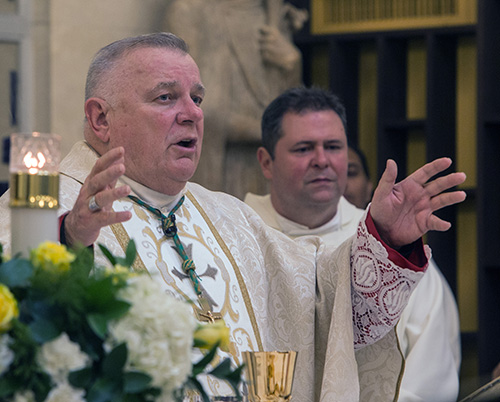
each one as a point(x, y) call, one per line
point(62, 231)
point(64, 238)
point(413, 253)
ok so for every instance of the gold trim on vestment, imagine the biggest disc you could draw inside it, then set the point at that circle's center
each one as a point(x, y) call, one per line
point(241, 282)
point(403, 364)
point(123, 238)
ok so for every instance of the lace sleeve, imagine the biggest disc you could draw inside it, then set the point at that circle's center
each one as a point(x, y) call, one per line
point(380, 288)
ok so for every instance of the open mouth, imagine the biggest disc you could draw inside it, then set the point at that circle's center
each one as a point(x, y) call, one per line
point(187, 143)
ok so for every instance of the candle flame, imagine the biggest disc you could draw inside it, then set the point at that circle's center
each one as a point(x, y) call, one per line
point(34, 163)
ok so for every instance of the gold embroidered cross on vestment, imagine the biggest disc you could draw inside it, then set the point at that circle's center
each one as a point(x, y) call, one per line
point(203, 313)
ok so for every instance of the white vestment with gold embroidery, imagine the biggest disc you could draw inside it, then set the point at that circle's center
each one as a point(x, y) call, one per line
point(273, 293)
point(428, 330)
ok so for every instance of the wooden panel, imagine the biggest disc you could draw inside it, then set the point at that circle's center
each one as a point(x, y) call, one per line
point(488, 193)
point(344, 81)
point(391, 102)
point(343, 16)
point(441, 112)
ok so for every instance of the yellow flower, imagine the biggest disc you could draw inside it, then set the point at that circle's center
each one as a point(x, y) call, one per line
point(50, 255)
point(207, 335)
point(120, 269)
point(8, 308)
point(119, 272)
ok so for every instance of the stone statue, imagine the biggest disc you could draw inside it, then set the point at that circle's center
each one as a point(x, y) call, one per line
point(246, 58)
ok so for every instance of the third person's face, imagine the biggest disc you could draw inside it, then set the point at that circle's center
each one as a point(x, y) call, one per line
point(359, 187)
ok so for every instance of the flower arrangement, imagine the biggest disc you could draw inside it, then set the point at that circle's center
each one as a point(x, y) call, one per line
point(73, 332)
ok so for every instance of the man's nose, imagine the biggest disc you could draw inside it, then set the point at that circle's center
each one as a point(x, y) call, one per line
point(189, 112)
point(320, 160)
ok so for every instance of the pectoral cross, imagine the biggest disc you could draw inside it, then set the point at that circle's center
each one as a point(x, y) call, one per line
point(205, 313)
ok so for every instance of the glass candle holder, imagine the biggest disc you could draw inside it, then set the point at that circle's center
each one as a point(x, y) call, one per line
point(34, 189)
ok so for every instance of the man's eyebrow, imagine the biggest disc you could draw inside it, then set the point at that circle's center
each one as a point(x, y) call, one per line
point(304, 142)
point(164, 85)
point(309, 142)
point(199, 88)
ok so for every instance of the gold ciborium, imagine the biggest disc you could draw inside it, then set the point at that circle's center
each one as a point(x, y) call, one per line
point(269, 375)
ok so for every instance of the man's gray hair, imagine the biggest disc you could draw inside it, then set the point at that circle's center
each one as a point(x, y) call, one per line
point(106, 58)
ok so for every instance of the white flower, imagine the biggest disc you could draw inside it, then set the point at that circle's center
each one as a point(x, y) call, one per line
point(26, 396)
point(158, 331)
point(60, 356)
point(6, 355)
point(65, 393)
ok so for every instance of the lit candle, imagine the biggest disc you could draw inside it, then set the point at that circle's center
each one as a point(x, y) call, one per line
point(34, 190)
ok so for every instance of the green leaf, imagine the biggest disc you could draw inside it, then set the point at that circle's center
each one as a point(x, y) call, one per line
point(203, 362)
point(99, 324)
point(130, 253)
point(113, 310)
point(102, 297)
point(40, 385)
point(81, 378)
point(44, 330)
point(114, 362)
point(193, 383)
point(111, 258)
point(101, 292)
point(135, 382)
point(6, 387)
point(222, 370)
point(234, 379)
point(103, 390)
point(84, 261)
point(16, 273)
point(235, 376)
point(116, 309)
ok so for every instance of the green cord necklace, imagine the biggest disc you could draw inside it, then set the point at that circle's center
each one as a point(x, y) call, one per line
point(169, 229)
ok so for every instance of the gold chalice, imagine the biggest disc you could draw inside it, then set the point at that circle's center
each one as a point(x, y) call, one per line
point(269, 375)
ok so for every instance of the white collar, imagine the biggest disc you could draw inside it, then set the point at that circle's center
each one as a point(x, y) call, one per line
point(154, 198)
point(291, 228)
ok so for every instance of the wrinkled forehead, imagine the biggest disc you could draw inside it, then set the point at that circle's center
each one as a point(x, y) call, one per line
point(157, 58)
point(147, 67)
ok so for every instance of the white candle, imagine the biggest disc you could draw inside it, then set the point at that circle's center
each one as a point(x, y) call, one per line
point(34, 190)
point(30, 227)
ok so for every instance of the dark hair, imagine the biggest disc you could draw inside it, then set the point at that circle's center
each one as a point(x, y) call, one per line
point(362, 158)
point(296, 100)
point(106, 58)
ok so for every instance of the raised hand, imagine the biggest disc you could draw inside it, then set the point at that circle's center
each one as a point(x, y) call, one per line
point(404, 212)
point(93, 207)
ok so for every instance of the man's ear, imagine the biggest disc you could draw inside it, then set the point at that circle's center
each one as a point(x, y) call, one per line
point(266, 162)
point(96, 112)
